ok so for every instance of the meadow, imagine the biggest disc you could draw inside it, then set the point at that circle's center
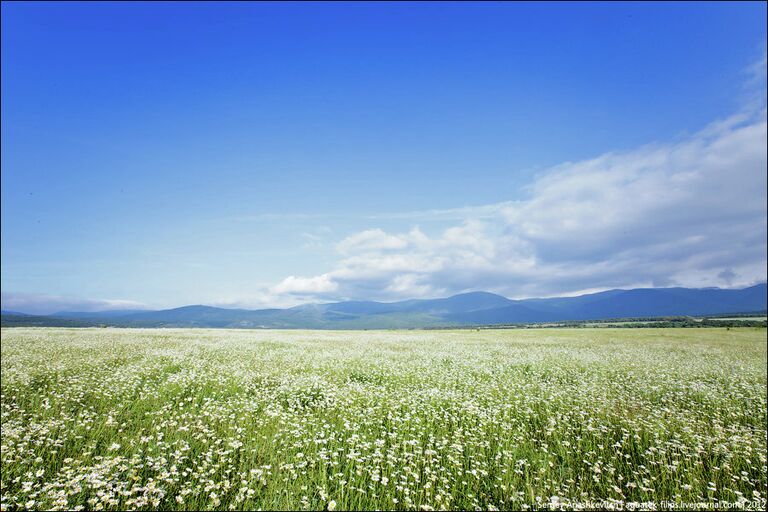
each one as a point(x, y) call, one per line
point(190, 419)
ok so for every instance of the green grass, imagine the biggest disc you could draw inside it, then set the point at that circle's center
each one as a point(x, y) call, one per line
point(283, 420)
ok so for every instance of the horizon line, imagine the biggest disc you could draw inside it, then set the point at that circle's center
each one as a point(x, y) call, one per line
point(339, 301)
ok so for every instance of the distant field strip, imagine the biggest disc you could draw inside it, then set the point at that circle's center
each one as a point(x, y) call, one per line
point(741, 318)
point(282, 420)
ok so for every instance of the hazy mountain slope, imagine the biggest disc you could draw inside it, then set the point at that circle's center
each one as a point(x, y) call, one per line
point(515, 313)
point(664, 302)
point(476, 308)
point(462, 303)
point(117, 313)
point(644, 302)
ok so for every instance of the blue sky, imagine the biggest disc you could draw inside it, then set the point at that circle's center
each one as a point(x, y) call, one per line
point(162, 154)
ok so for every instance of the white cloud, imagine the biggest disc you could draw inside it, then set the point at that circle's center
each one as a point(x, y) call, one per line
point(688, 213)
point(409, 285)
point(305, 285)
point(261, 298)
point(372, 240)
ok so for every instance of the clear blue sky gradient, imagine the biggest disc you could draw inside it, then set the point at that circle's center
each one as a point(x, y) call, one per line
point(161, 152)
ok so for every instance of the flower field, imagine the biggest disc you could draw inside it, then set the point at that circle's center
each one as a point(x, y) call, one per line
point(170, 419)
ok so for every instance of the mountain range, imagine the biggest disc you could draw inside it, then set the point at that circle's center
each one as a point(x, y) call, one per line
point(474, 308)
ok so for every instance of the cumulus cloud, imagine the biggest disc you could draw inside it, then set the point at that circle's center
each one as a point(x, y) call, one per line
point(306, 285)
point(260, 298)
point(372, 240)
point(45, 304)
point(687, 213)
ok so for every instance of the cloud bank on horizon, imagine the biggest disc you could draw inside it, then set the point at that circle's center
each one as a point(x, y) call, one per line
point(32, 303)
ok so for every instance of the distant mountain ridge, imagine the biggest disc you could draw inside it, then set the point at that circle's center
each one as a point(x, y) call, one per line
point(473, 308)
